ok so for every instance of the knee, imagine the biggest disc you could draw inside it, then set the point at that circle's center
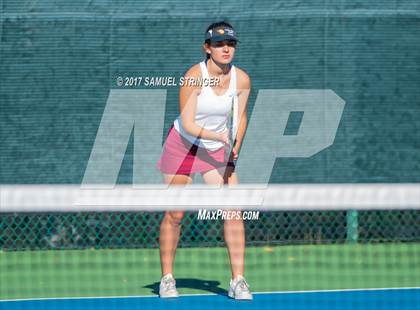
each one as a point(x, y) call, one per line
point(233, 217)
point(174, 218)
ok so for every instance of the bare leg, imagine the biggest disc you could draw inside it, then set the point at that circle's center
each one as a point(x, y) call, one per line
point(234, 231)
point(170, 228)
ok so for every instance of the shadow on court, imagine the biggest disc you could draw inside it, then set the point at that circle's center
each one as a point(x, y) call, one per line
point(204, 285)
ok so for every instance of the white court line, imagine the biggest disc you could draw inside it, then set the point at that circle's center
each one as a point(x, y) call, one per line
point(213, 294)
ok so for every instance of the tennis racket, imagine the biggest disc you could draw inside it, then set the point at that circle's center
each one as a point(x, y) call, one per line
point(232, 124)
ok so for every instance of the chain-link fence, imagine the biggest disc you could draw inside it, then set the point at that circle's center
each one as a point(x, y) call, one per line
point(141, 229)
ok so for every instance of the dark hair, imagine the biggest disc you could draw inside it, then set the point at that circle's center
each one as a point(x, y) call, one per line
point(215, 25)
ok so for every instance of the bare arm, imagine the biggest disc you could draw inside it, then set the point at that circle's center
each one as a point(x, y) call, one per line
point(244, 89)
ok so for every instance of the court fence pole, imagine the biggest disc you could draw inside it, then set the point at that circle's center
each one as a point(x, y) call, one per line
point(352, 226)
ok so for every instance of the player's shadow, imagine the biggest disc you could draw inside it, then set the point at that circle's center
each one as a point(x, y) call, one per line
point(204, 285)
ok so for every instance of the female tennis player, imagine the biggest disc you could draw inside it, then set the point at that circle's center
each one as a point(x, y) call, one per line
point(198, 142)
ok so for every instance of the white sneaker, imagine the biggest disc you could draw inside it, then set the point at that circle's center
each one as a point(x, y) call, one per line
point(239, 289)
point(167, 288)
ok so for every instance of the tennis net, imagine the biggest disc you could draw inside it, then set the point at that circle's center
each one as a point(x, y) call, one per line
point(63, 241)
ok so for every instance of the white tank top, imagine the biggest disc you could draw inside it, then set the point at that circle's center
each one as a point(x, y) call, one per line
point(211, 112)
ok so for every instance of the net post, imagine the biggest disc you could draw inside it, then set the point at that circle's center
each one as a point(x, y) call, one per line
point(352, 226)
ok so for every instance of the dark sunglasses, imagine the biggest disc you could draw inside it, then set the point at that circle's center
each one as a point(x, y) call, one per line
point(229, 43)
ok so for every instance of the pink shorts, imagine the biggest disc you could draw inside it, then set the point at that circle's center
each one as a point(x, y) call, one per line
point(180, 156)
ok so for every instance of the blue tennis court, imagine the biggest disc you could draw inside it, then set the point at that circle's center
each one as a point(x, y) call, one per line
point(380, 299)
